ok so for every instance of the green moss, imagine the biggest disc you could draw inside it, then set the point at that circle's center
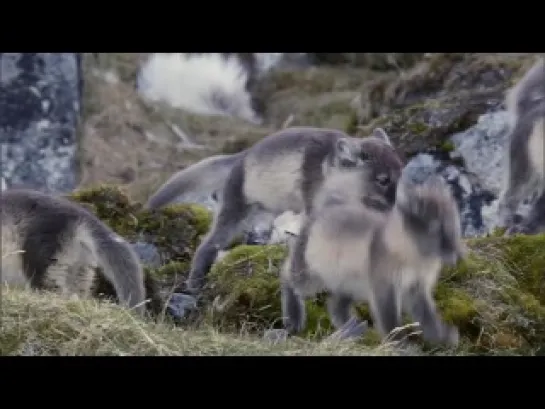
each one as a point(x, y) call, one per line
point(447, 146)
point(171, 272)
point(504, 277)
point(243, 292)
point(111, 205)
point(244, 287)
point(457, 308)
point(175, 230)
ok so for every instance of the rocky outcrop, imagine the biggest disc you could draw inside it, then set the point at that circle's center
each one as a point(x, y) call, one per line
point(446, 116)
point(40, 104)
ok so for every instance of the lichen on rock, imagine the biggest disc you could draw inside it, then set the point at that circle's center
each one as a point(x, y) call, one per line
point(426, 126)
point(441, 95)
point(40, 104)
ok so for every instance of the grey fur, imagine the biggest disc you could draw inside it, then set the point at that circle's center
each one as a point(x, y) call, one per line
point(206, 177)
point(524, 170)
point(283, 172)
point(52, 243)
point(392, 258)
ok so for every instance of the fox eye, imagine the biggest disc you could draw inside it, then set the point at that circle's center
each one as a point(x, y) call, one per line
point(383, 179)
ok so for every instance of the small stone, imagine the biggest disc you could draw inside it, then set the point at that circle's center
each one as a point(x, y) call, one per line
point(148, 253)
point(180, 304)
point(276, 336)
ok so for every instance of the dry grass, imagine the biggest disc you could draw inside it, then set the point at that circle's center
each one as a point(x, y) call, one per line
point(42, 323)
point(49, 325)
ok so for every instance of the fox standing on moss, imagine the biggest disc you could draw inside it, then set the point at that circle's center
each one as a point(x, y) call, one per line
point(51, 243)
point(356, 251)
point(525, 172)
point(279, 173)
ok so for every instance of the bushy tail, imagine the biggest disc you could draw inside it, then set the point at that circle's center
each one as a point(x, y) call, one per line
point(529, 92)
point(430, 207)
point(156, 304)
point(423, 200)
point(122, 268)
point(205, 178)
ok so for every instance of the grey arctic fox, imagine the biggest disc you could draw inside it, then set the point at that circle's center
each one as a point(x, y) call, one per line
point(356, 252)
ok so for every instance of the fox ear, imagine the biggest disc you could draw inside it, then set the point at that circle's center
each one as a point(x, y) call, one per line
point(381, 134)
point(347, 153)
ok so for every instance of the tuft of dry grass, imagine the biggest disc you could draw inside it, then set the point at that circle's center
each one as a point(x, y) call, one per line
point(46, 324)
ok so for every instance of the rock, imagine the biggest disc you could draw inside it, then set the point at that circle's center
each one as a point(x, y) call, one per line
point(179, 305)
point(482, 148)
point(148, 253)
point(474, 170)
point(441, 95)
point(426, 126)
point(449, 106)
point(40, 104)
point(471, 198)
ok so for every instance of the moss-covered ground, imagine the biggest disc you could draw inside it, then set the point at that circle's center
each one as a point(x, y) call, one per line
point(496, 297)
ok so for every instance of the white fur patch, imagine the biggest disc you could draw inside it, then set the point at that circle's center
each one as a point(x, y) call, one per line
point(285, 226)
point(118, 238)
point(206, 84)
